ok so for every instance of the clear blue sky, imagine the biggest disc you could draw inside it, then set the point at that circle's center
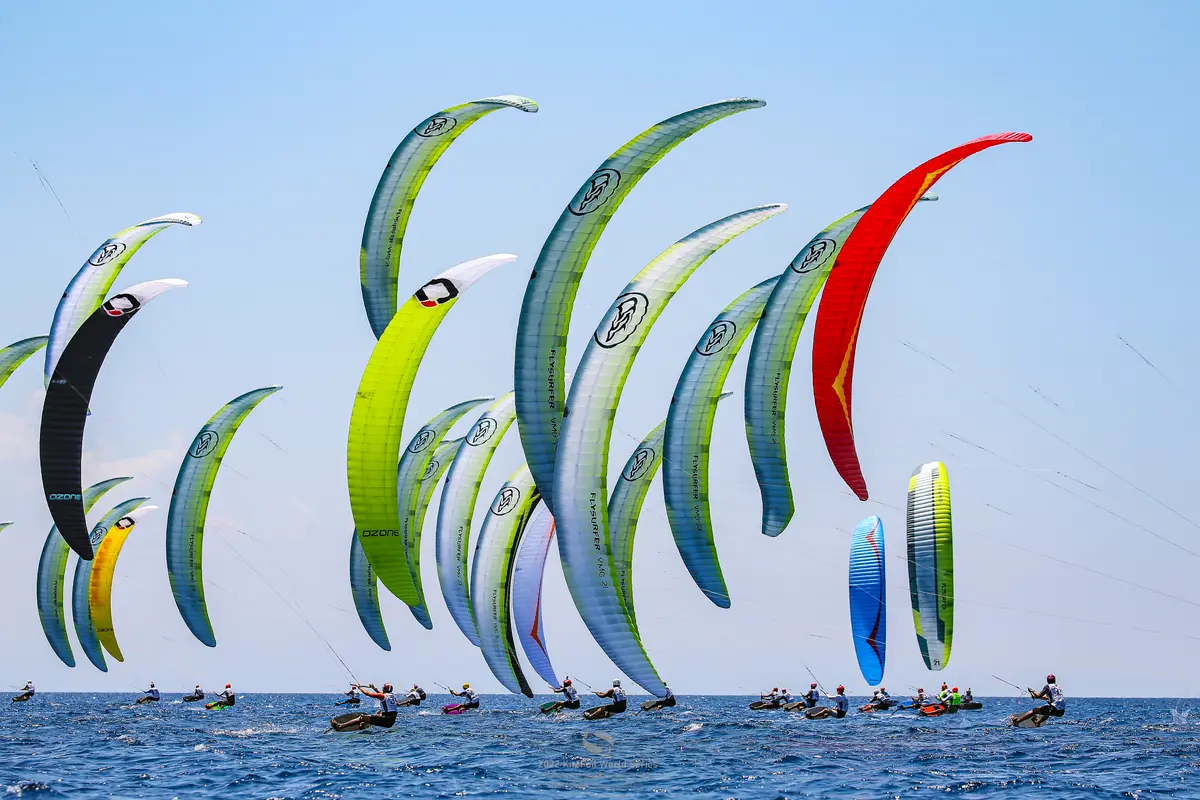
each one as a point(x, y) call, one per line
point(273, 121)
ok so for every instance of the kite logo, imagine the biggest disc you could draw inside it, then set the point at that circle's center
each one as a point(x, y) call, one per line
point(107, 252)
point(124, 523)
point(433, 469)
point(639, 464)
point(204, 444)
point(436, 292)
point(482, 432)
point(97, 534)
point(814, 256)
point(624, 318)
point(506, 501)
point(435, 126)
point(64, 497)
point(595, 192)
point(421, 441)
point(122, 305)
point(717, 338)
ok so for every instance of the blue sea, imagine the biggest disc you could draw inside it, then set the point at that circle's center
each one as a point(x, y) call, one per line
point(276, 746)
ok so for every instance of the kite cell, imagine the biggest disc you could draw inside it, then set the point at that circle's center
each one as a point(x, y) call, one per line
point(81, 606)
point(689, 434)
point(580, 478)
point(527, 592)
point(491, 577)
point(377, 421)
point(189, 509)
point(364, 587)
point(100, 583)
point(68, 397)
point(87, 289)
point(550, 295)
point(457, 509)
point(839, 317)
point(868, 598)
point(434, 469)
point(387, 219)
point(931, 562)
point(15, 354)
point(52, 576)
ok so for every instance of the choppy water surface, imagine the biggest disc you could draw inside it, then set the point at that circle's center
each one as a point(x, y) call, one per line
point(275, 746)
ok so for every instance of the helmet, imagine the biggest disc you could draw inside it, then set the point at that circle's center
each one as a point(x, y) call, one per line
point(567, 682)
point(1050, 678)
point(387, 687)
point(841, 689)
point(812, 686)
point(774, 688)
point(955, 689)
point(920, 690)
point(227, 686)
point(466, 686)
point(151, 683)
point(616, 683)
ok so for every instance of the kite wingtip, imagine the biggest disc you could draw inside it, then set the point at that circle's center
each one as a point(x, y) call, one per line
point(519, 102)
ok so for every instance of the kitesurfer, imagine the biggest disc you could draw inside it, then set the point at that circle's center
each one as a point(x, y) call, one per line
point(27, 693)
point(385, 717)
point(666, 701)
point(617, 706)
point(413, 697)
point(570, 697)
point(197, 694)
point(470, 699)
point(152, 694)
point(943, 694)
point(352, 698)
point(880, 699)
point(968, 697)
point(224, 699)
point(812, 698)
point(785, 697)
point(921, 699)
point(841, 704)
point(770, 699)
point(1056, 705)
point(955, 699)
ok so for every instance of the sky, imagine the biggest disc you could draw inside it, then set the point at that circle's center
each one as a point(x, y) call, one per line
point(994, 339)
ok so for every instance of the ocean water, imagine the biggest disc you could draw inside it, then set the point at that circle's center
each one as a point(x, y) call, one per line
point(276, 746)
